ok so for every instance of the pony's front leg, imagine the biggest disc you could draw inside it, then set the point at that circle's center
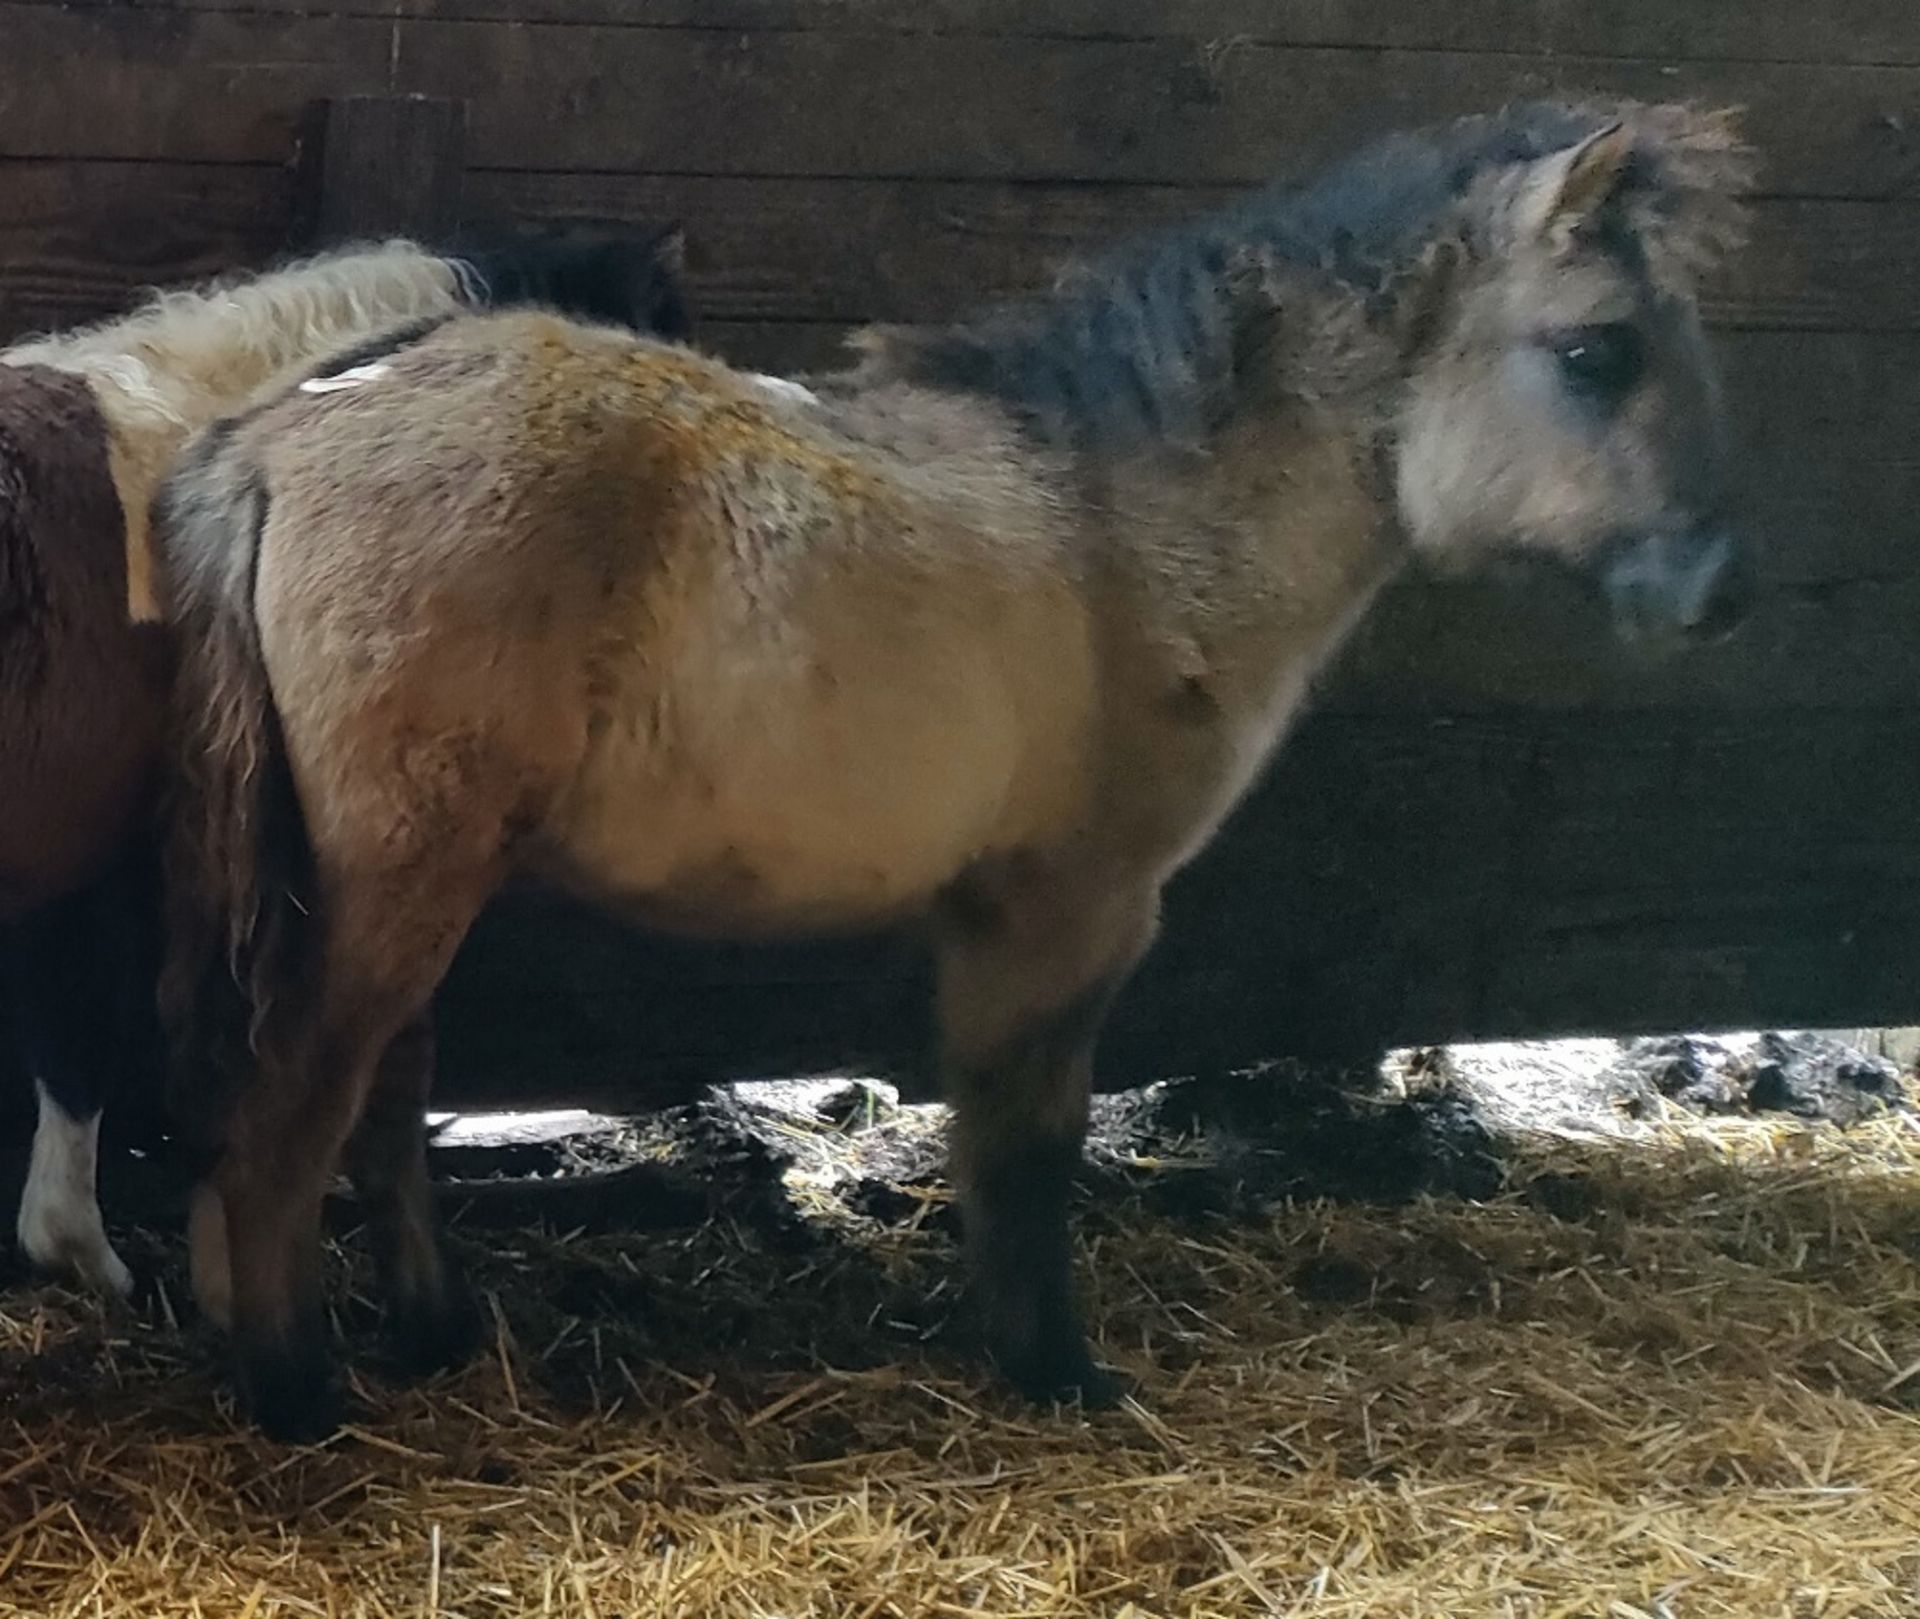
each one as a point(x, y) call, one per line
point(209, 1267)
point(79, 982)
point(1028, 962)
point(60, 1225)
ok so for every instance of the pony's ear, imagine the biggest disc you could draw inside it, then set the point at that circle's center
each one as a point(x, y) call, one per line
point(1561, 194)
point(670, 250)
point(659, 285)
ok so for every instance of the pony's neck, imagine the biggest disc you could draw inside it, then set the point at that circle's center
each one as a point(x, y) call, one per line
point(1278, 535)
point(189, 358)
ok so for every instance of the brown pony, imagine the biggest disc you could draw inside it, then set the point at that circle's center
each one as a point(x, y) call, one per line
point(989, 633)
point(89, 421)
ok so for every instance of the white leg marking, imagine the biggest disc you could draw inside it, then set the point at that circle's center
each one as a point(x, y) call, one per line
point(207, 1250)
point(60, 1226)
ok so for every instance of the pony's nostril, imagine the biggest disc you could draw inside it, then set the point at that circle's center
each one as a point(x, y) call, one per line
point(1685, 588)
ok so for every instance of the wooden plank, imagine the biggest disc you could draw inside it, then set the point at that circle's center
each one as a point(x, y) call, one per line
point(81, 240)
point(919, 250)
point(1170, 111)
point(1853, 31)
point(1383, 884)
point(1775, 802)
point(1823, 266)
point(846, 250)
point(205, 87)
point(229, 86)
point(391, 166)
point(1760, 864)
point(1543, 641)
point(1566, 873)
point(76, 236)
point(1828, 428)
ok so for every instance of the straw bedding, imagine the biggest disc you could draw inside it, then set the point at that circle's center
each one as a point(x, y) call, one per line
point(1668, 1372)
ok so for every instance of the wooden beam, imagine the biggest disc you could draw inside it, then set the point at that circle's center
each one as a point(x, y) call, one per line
point(214, 86)
point(390, 166)
point(1174, 111)
point(81, 240)
point(1853, 31)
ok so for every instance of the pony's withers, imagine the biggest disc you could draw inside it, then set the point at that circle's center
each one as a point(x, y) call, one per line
point(989, 632)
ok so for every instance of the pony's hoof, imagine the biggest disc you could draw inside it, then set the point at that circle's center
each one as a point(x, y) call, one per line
point(438, 1339)
point(73, 1241)
point(1066, 1377)
point(290, 1398)
point(106, 1274)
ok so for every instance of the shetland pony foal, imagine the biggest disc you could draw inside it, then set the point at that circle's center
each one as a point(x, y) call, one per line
point(991, 632)
point(88, 423)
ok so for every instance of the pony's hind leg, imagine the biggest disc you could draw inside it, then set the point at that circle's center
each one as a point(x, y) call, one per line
point(1027, 963)
point(286, 1135)
point(387, 944)
point(431, 1315)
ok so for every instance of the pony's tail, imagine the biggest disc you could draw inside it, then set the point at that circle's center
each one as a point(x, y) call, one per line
point(239, 868)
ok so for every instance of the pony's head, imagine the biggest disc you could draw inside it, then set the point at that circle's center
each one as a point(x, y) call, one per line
point(1559, 397)
point(604, 275)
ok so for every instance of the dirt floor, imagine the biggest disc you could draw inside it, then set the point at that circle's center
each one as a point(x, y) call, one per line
point(1518, 1331)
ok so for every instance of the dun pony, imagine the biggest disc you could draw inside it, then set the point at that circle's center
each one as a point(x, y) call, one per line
point(89, 423)
point(987, 635)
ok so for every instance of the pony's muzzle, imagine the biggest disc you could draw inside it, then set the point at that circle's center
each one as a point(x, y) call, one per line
point(1676, 588)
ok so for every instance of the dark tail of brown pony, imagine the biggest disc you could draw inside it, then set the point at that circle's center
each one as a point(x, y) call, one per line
point(239, 869)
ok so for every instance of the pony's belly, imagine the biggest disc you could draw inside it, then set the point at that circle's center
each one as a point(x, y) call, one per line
point(778, 806)
point(64, 819)
point(743, 889)
point(752, 843)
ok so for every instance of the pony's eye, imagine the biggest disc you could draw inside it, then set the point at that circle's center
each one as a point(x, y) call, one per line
point(1602, 363)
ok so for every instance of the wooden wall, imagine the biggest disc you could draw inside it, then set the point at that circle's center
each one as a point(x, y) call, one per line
point(1495, 823)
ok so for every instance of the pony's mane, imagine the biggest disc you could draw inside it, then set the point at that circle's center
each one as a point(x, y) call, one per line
point(184, 359)
point(186, 356)
point(1139, 345)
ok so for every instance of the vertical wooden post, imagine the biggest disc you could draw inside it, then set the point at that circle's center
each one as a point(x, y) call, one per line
point(390, 166)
